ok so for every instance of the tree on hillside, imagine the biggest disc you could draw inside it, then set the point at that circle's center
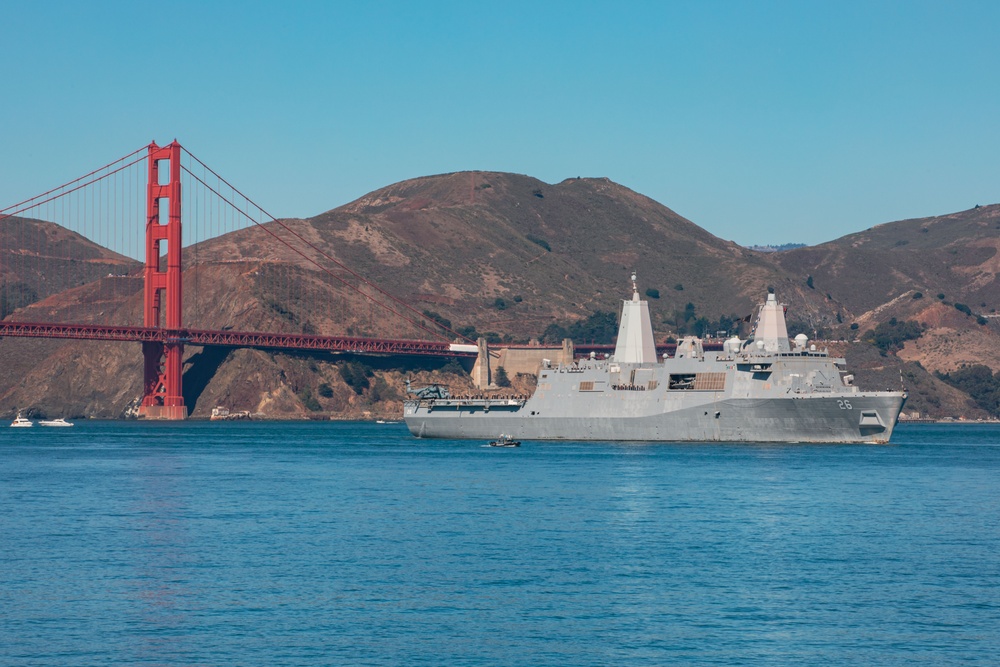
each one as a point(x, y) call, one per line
point(14, 296)
point(355, 375)
point(979, 382)
point(444, 322)
point(889, 337)
point(600, 328)
point(688, 323)
point(554, 333)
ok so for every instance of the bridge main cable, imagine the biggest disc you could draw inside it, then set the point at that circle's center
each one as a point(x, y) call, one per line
point(31, 203)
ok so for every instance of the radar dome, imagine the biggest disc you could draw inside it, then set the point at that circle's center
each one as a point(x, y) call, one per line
point(801, 340)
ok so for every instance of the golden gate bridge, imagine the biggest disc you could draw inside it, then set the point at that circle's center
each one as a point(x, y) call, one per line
point(109, 195)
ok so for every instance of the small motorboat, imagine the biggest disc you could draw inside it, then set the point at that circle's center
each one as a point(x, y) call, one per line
point(21, 422)
point(55, 422)
point(505, 441)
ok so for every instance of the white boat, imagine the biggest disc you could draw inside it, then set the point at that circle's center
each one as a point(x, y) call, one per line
point(55, 422)
point(21, 422)
point(223, 414)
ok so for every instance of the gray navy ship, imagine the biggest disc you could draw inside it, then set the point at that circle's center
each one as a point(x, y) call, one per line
point(765, 389)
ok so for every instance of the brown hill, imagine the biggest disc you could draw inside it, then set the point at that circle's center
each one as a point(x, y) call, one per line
point(500, 252)
point(940, 271)
point(455, 243)
point(882, 267)
point(39, 259)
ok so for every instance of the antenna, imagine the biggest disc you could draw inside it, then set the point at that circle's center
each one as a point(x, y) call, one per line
point(635, 288)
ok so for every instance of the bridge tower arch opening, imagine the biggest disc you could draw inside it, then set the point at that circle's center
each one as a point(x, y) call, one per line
point(162, 397)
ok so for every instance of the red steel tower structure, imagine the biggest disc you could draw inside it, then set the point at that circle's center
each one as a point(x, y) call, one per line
point(162, 397)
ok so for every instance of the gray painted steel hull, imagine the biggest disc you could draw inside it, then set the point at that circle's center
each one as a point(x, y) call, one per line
point(804, 419)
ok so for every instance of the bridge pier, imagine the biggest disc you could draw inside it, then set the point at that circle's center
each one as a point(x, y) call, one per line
point(162, 366)
point(516, 359)
point(481, 369)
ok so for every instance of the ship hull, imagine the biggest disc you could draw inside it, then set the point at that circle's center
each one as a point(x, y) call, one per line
point(858, 418)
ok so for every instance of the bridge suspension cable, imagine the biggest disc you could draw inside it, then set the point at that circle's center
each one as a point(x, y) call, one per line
point(58, 241)
point(31, 203)
point(325, 255)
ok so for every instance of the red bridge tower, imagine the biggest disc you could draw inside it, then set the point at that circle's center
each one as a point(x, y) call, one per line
point(162, 397)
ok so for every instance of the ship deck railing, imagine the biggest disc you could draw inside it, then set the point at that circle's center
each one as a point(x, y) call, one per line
point(470, 401)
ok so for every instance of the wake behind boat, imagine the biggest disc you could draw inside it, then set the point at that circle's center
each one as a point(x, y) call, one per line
point(765, 389)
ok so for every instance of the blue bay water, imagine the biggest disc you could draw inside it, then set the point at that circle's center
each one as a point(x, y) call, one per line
point(354, 544)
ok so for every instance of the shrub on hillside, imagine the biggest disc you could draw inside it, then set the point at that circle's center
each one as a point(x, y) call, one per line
point(539, 242)
point(14, 296)
point(453, 367)
point(979, 382)
point(381, 391)
point(431, 315)
point(309, 401)
point(890, 336)
point(600, 328)
point(355, 375)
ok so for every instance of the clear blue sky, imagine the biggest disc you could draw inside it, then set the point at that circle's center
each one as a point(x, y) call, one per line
point(763, 122)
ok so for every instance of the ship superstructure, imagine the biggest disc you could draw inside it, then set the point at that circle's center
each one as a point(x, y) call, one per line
point(765, 389)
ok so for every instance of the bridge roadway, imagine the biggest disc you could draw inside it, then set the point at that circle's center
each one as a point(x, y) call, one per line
point(208, 337)
point(204, 337)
